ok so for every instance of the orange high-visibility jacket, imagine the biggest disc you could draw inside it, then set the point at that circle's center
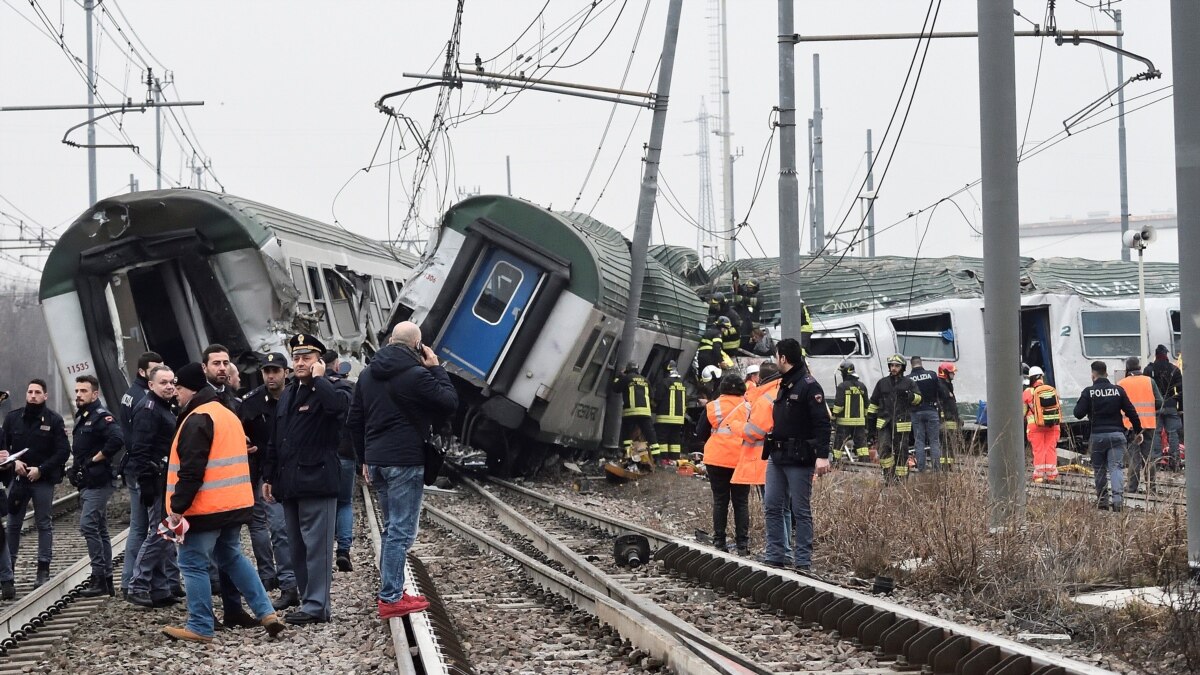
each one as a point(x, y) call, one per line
point(727, 415)
point(752, 469)
point(226, 485)
point(1144, 396)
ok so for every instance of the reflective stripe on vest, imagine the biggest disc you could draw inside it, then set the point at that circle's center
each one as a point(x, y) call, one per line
point(226, 483)
point(638, 403)
point(1140, 389)
point(728, 416)
point(676, 403)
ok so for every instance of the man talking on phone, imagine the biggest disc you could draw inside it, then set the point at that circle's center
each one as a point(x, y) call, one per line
point(301, 470)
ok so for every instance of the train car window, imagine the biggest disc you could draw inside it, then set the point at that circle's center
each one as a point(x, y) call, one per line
point(298, 278)
point(930, 336)
point(314, 283)
point(599, 358)
point(1176, 334)
point(587, 350)
point(611, 371)
point(392, 293)
point(1112, 333)
point(318, 301)
point(339, 297)
point(380, 294)
point(839, 342)
point(501, 285)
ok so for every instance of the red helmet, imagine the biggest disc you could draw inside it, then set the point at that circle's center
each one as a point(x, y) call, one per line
point(946, 369)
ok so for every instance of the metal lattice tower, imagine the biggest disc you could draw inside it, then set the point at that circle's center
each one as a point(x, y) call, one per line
point(707, 244)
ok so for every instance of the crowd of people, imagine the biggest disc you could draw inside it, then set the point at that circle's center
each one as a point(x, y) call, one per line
point(201, 457)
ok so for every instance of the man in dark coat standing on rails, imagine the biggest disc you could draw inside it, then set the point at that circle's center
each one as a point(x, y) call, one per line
point(301, 470)
point(399, 397)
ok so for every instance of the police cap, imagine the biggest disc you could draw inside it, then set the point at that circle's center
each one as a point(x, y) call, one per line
point(273, 360)
point(303, 343)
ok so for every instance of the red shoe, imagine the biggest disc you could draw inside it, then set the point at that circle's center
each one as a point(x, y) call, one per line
point(413, 598)
point(402, 607)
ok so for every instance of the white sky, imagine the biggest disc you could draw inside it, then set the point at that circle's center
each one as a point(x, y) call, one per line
point(290, 87)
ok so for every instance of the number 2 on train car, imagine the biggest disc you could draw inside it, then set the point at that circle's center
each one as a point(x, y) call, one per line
point(491, 308)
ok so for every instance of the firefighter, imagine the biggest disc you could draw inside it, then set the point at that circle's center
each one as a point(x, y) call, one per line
point(635, 410)
point(888, 418)
point(746, 305)
point(721, 431)
point(1043, 413)
point(1148, 400)
point(710, 380)
point(717, 307)
point(711, 351)
point(850, 414)
point(730, 340)
point(670, 400)
point(806, 327)
point(951, 424)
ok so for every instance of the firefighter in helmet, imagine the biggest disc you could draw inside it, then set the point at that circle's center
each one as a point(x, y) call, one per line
point(889, 418)
point(850, 415)
point(951, 424)
point(670, 400)
point(635, 410)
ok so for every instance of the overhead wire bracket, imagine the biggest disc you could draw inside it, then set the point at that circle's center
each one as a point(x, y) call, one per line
point(1151, 73)
point(123, 109)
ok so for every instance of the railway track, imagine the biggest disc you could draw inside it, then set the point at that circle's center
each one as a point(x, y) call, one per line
point(768, 620)
point(33, 623)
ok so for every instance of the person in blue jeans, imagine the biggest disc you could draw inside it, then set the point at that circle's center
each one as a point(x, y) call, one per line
point(208, 483)
point(926, 419)
point(343, 534)
point(399, 397)
point(1104, 403)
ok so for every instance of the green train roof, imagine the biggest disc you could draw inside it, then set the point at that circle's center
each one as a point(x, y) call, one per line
point(681, 260)
point(600, 261)
point(856, 284)
point(229, 223)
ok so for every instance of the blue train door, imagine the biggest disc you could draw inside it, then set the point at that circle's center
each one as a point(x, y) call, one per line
point(488, 312)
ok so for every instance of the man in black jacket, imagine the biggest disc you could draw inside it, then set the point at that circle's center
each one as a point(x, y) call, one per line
point(1104, 403)
point(151, 574)
point(137, 392)
point(399, 397)
point(42, 431)
point(97, 441)
point(268, 530)
point(301, 470)
point(1169, 379)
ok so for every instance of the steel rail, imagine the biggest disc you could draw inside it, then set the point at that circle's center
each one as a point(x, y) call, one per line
point(632, 625)
point(904, 629)
point(405, 664)
point(599, 581)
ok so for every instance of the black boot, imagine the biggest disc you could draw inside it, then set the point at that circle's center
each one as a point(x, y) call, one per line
point(43, 574)
point(108, 586)
point(8, 590)
point(343, 562)
point(287, 598)
point(95, 588)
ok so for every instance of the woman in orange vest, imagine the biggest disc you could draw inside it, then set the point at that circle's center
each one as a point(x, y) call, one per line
point(720, 429)
point(1043, 415)
point(209, 498)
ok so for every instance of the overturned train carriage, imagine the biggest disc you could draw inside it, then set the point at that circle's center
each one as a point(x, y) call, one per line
point(174, 270)
point(525, 307)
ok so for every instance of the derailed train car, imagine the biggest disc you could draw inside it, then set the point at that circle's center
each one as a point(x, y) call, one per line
point(525, 308)
point(174, 270)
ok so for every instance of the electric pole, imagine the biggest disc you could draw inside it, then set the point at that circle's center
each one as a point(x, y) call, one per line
point(818, 164)
point(88, 5)
point(726, 153)
point(870, 197)
point(1124, 170)
point(790, 302)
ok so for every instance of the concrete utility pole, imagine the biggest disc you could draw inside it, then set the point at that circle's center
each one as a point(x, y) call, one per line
point(1121, 141)
point(812, 211)
point(88, 5)
point(1001, 266)
point(156, 84)
point(818, 160)
point(1185, 21)
point(645, 212)
point(508, 172)
point(870, 196)
point(790, 301)
point(726, 153)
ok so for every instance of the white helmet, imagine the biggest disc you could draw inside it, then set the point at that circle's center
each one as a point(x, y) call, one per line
point(751, 369)
point(710, 373)
point(1035, 371)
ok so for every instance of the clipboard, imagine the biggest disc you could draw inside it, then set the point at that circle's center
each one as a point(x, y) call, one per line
point(13, 457)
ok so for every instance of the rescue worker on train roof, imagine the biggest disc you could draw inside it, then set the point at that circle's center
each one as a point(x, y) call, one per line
point(951, 427)
point(635, 411)
point(850, 416)
point(711, 351)
point(888, 418)
point(670, 403)
point(747, 305)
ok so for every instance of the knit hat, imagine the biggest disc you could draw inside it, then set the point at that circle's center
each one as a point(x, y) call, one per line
point(1161, 349)
point(191, 377)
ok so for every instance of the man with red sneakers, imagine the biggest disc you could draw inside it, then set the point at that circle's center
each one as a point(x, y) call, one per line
point(399, 397)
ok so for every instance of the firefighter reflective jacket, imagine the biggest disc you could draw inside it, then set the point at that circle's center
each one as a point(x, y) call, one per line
point(752, 468)
point(948, 403)
point(892, 403)
point(1042, 407)
point(850, 403)
point(209, 485)
point(730, 339)
point(711, 351)
point(726, 420)
point(635, 394)
point(1146, 399)
point(670, 399)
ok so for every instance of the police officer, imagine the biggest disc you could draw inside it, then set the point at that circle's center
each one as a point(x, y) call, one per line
point(798, 448)
point(151, 574)
point(42, 432)
point(1104, 403)
point(136, 392)
point(635, 410)
point(926, 418)
point(670, 401)
point(301, 470)
point(891, 403)
point(96, 439)
point(268, 531)
point(850, 415)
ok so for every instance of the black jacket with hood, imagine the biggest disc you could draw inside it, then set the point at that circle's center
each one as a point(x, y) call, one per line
point(385, 434)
